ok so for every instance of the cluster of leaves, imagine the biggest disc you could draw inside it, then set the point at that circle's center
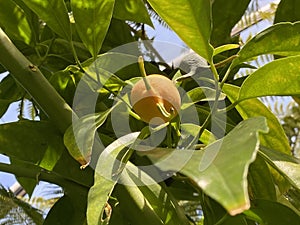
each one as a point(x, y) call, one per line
point(247, 176)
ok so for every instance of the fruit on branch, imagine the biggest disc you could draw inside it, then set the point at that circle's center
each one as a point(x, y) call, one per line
point(155, 98)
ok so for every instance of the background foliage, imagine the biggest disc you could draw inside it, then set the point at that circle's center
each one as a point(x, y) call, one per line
point(249, 176)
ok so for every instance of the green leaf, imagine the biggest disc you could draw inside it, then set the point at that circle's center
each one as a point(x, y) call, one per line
point(276, 138)
point(32, 141)
point(104, 183)
point(113, 38)
point(92, 19)
point(54, 13)
point(14, 22)
point(261, 181)
point(150, 199)
point(287, 165)
point(221, 168)
point(282, 77)
point(79, 138)
point(9, 92)
point(191, 21)
point(201, 94)
point(281, 39)
point(273, 213)
point(61, 213)
point(287, 11)
point(225, 15)
point(133, 10)
point(225, 48)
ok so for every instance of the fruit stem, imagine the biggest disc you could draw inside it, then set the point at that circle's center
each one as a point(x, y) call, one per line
point(163, 110)
point(143, 72)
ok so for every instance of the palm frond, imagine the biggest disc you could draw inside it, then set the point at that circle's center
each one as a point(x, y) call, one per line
point(16, 211)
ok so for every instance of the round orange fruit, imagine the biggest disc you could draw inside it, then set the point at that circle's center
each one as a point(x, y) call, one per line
point(159, 102)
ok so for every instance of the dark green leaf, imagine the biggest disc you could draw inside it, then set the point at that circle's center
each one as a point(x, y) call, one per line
point(133, 10)
point(61, 213)
point(276, 138)
point(261, 181)
point(225, 14)
point(113, 38)
point(92, 19)
point(282, 77)
point(191, 21)
point(287, 11)
point(273, 213)
point(287, 165)
point(9, 92)
point(150, 199)
point(54, 13)
point(221, 168)
point(32, 141)
point(14, 22)
point(281, 39)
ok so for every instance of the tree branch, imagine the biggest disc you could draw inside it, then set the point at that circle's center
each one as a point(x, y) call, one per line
point(35, 83)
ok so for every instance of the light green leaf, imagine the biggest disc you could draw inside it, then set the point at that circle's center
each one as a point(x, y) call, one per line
point(14, 22)
point(92, 19)
point(281, 39)
point(54, 13)
point(190, 19)
point(280, 77)
point(104, 182)
point(276, 138)
point(225, 48)
point(133, 10)
point(32, 141)
point(221, 168)
point(79, 138)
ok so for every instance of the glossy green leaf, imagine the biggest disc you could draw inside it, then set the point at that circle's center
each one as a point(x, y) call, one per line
point(54, 13)
point(280, 77)
point(276, 138)
point(92, 19)
point(288, 165)
point(79, 138)
point(225, 14)
point(14, 22)
point(133, 10)
point(269, 212)
point(225, 48)
point(32, 141)
point(221, 168)
point(191, 21)
point(287, 11)
point(281, 39)
point(104, 182)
